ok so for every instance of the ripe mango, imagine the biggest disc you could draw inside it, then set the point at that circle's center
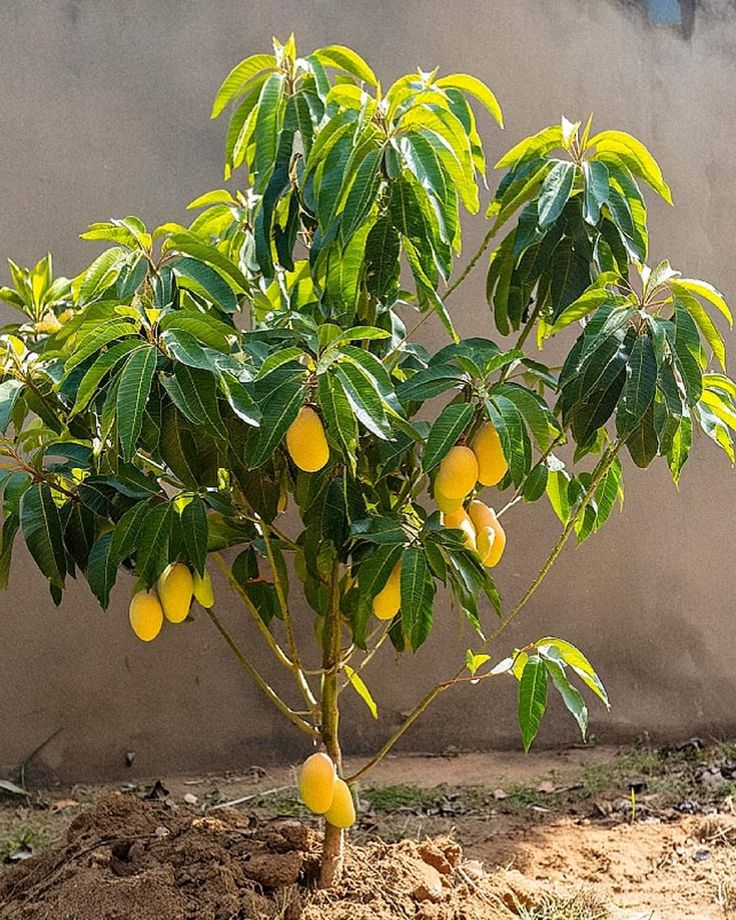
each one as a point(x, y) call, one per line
point(446, 504)
point(484, 543)
point(460, 520)
point(306, 441)
point(458, 473)
point(341, 812)
point(317, 782)
point(145, 615)
point(175, 588)
point(492, 465)
point(388, 600)
point(203, 590)
point(483, 516)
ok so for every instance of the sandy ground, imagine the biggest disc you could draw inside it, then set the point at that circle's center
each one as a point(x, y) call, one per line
point(565, 822)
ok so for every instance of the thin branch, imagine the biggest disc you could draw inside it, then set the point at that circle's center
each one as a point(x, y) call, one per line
point(280, 654)
point(297, 669)
point(261, 681)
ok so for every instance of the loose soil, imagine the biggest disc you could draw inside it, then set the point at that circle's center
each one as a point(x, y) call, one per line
point(583, 834)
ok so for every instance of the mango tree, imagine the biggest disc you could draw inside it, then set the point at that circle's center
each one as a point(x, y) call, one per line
point(161, 411)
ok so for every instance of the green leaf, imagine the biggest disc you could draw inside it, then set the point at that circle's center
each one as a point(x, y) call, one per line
point(194, 530)
point(240, 400)
point(595, 175)
point(417, 596)
point(469, 84)
point(128, 531)
point(474, 661)
point(363, 396)
point(357, 683)
point(575, 659)
point(635, 155)
point(361, 197)
point(451, 423)
point(194, 393)
point(640, 386)
point(537, 145)
point(100, 336)
point(707, 292)
point(103, 365)
point(199, 277)
point(102, 568)
point(133, 392)
point(10, 390)
point(236, 81)
point(342, 58)
point(555, 192)
point(42, 532)
point(269, 117)
point(571, 696)
point(338, 414)
point(278, 411)
point(191, 245)
point(532, 698)
point(152, 556)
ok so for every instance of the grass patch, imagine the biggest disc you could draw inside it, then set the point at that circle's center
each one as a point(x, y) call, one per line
point(27, 835)
point(402, 797)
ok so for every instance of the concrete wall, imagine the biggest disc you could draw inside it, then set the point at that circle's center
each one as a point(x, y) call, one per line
point(105, 113)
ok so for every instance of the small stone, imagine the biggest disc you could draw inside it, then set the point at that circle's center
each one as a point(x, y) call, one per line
point(190, 798)
point(499, 794)
point(474, 869)
point(546, 786)
point(429, 883)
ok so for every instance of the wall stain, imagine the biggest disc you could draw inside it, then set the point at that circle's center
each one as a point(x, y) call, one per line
point(678, 15)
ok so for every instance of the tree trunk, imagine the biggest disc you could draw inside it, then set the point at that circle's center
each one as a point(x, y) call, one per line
point(330, 868)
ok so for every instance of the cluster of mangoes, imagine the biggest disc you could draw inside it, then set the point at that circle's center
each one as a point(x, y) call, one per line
point(324, 793)
point(171, 600)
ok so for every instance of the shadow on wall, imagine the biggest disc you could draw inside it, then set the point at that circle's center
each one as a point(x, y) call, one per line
point(678, 14)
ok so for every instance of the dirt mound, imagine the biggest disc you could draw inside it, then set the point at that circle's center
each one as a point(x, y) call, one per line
point(131, 860)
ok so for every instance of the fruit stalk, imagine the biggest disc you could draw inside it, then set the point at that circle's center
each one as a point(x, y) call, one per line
point(330, 868)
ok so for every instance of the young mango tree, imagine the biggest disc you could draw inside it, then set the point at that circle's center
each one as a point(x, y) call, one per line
point(161, 411)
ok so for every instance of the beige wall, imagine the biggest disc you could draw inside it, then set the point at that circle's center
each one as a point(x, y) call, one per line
point(105, 111)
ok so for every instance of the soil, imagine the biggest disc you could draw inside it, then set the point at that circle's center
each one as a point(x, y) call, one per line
point(639, 834)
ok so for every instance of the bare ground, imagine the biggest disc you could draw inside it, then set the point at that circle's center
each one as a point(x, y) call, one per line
point(585, 833)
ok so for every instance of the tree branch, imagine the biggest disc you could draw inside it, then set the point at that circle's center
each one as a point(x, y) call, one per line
point(262, 683)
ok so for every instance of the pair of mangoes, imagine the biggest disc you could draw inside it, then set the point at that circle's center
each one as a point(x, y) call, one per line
point(482, 530)
point(324, 793)
point(175, 588)
point(463, 468)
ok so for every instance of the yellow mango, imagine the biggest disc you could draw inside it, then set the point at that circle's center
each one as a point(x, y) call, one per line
point(388, 600)
point(458, 473)
point(341, 812)
point(483, 516)
point(446, 504)
point(203, 590)
point(492, 465)
point(460, 521)
point(484, 543)
point(145, 615)
point(317, 781)
point(306, 441)
point(175, 588)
